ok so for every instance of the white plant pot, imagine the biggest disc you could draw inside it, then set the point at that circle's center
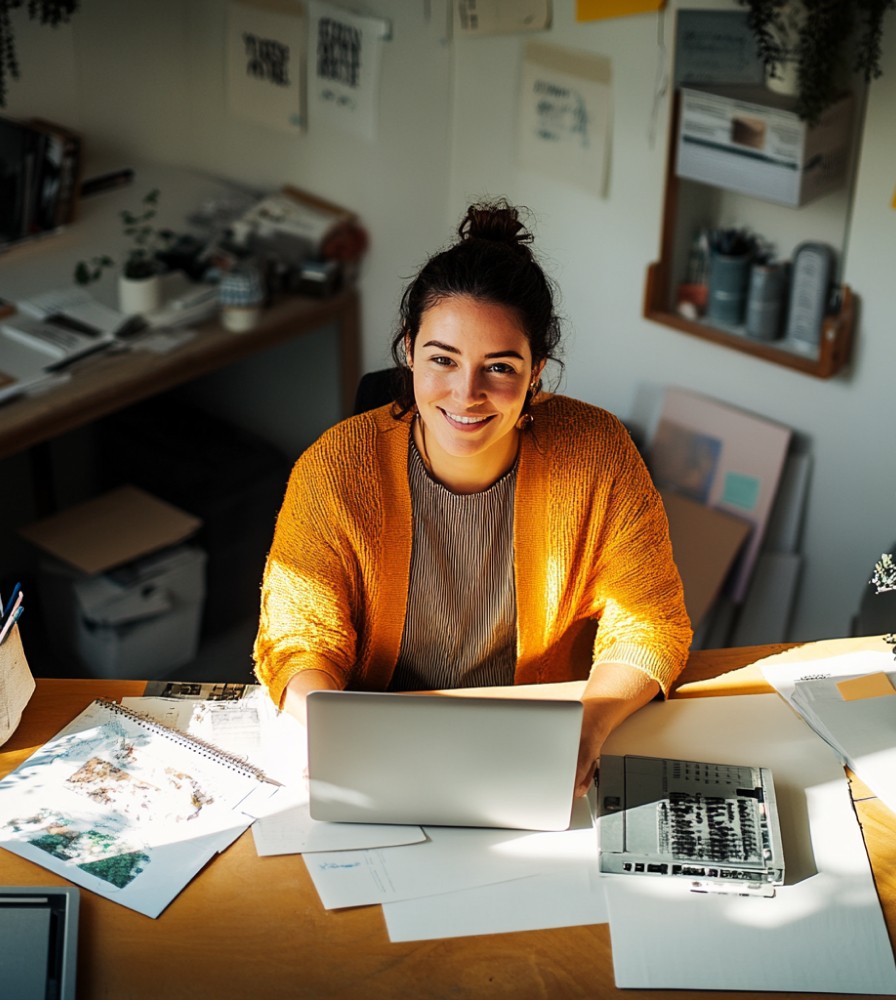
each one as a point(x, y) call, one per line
point(137, 296)
point(786, 78)
point(240, 319)
point(786, 81)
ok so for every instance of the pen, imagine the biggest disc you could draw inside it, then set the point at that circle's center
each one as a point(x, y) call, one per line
point(13, 618)
point(16, 590)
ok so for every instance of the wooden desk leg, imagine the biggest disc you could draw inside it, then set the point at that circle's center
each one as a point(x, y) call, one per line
point(350, 353)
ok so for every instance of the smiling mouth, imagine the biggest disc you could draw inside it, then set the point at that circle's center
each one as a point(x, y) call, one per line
point(466, 421)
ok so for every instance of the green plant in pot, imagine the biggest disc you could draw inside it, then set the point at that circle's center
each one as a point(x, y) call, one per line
point(140, 266)
point(884, 581)
point(824, 39)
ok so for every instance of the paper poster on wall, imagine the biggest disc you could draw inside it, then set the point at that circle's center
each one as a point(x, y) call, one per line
point(501, 17)
point(565, 112)
point(723, 457)
point(345, 52)
point(598, 10)
point(715, 46)
point(265, 62)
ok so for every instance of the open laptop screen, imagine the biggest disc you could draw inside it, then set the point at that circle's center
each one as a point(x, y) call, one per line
point(441, 760)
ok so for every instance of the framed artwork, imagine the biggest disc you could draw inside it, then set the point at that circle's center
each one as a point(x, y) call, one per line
point(725, 458)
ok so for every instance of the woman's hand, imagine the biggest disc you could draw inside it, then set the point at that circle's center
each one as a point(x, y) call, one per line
point(612, 694)
point(300, 686)
point(594, 732)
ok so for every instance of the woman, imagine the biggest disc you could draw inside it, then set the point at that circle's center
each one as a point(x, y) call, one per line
point(477, 530)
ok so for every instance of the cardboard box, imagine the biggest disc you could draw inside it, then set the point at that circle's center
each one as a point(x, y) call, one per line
point(750, 140)
point(705, 544)
point(119, 589)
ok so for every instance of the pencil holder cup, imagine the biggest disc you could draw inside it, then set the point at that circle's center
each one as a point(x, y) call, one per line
point(16, 683)
point(241, 298)
point(729, 276)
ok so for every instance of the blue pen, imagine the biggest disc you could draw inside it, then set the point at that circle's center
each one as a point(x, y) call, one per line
point(10, 624)
point(12, 599)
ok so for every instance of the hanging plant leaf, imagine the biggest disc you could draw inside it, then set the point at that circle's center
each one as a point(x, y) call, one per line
point(830, 36)
point(52, 12)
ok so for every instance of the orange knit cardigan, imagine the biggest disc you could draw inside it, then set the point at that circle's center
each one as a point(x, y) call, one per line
point(591, 547)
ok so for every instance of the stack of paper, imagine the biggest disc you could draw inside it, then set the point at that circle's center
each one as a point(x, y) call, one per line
point(850, 702)
point(442, 882)
point(431, 883)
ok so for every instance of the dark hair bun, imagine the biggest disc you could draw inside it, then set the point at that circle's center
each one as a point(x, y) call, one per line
point(497, 222)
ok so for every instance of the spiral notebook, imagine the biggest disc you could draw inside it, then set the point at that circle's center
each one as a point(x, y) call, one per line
point(127, 807)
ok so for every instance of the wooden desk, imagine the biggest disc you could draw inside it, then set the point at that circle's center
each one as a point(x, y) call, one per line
point(254, 926)
point(103, 384)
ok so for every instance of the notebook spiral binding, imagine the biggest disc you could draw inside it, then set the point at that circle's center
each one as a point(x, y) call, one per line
point(203, 747)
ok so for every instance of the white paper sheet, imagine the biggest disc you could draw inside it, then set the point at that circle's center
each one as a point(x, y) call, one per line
point(265, 61)
point(498, 17)
point(861, 732)
point(823, 931)
point(452, 858)
point(566, 899)
point(344, 61)
point(565, 116)
point(289, 829)
point(568, 895)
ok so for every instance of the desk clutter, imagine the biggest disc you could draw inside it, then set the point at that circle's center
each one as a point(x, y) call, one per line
point(437, 882)
point(225, 258)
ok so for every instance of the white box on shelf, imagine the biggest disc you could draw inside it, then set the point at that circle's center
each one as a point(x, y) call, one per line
point(750, 140)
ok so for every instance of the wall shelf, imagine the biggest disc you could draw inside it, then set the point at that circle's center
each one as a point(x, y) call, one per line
point(833, 350)
point(835, 342)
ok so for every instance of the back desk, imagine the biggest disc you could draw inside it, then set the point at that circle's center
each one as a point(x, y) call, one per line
point(250, 926)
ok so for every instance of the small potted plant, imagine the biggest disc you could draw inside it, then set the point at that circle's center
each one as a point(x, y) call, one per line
point(810, 46)
point(884, 581)
point(139, 289)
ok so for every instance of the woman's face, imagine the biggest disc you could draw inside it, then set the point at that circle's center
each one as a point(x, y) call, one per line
point(472, 368)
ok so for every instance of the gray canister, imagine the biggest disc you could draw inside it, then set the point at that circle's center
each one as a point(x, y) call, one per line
point(729, 276)
point(765, 300)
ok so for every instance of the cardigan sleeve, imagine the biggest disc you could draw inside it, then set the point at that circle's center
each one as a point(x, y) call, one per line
point(637, 588)
point(309, 587)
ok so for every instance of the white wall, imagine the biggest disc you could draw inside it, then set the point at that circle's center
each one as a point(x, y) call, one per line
point(146, 79)
point(599, 249)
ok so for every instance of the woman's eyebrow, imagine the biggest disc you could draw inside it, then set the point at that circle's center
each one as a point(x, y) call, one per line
point(453, 350)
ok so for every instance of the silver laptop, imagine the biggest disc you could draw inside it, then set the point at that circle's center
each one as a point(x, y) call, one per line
point(442, 760)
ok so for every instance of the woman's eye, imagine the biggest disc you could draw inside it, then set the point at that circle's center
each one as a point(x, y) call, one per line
point(502, 368)
point(442, 361)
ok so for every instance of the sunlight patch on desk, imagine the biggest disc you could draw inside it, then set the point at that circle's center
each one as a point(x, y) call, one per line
point(829, 895)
